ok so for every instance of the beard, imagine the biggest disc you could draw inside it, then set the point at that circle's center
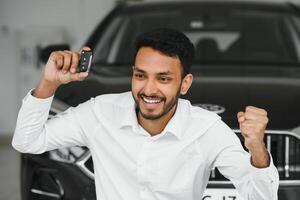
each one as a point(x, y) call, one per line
point(168, 106)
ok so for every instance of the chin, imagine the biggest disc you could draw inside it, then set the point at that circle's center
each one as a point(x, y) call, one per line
point(151, 116)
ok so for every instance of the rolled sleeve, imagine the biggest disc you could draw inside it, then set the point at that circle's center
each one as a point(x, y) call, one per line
point(30, 101)
point(265, 179)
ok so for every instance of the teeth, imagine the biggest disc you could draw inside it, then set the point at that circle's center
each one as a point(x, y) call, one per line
point(151, 100)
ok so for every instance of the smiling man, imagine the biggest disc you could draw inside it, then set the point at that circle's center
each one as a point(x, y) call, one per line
point(157, 83)
point(149, 143)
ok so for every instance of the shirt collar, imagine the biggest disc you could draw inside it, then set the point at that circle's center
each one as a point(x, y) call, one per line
point(128, 115)
point(178, 121)
point(128, 118)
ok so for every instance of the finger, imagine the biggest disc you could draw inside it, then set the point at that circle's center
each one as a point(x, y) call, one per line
point(240, 114)
point(59, 60)
point(249, 124)
point(249, 115)
point(55, 58)
point(52, 58)
point(254, 116)
point(75, 61)
point(247, 130)
point(67, 61)
point(79, 76)
point(250, 127)
point(256, 110)
point(241, 117)
point(86, 48)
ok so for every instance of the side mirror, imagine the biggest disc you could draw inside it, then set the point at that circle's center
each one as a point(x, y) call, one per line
point(44, 53)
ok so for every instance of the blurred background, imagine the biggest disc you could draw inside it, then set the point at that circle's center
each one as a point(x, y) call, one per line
point(259, 47)
point(26, 25)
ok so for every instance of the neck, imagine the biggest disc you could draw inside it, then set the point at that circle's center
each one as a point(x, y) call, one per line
point(155, 127)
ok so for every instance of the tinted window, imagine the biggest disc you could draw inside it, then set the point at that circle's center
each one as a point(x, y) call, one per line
point(233, 36)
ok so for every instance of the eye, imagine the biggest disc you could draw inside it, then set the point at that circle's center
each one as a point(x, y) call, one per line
point(164, 79)
point(139, 76)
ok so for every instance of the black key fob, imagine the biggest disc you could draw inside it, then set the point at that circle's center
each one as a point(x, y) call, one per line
point(85, 62)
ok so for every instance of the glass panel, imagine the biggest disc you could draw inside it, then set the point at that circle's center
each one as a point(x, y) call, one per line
point(231, 36)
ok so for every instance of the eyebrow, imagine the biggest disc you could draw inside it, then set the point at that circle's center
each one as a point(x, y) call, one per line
point(138, 69)
point(160, 73)
point(165, 73)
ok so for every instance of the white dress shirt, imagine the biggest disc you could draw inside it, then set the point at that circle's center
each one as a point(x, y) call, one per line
point(129, 164)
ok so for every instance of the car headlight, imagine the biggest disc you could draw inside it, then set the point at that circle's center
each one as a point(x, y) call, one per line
point(68, 155)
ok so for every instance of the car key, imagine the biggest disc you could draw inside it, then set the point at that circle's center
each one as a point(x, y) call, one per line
point(85, 61)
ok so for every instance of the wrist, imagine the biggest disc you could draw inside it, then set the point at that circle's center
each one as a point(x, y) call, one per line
point(260, 157)
point(45, 89)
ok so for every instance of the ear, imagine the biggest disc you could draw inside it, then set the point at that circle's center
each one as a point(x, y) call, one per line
point(186, 84)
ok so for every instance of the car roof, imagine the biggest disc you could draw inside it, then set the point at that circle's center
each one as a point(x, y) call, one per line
point(272, 5)
point(240, 2)
point(219, 1)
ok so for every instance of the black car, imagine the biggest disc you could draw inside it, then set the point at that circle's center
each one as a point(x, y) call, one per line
point(247, 53)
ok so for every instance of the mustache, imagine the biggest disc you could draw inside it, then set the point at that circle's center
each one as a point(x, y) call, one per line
point(151, 96)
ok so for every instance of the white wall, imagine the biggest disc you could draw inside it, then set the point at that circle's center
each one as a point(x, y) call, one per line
point(27, 23)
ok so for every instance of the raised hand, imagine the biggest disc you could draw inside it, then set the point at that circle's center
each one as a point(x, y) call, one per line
point(60, 69)
point(253, 122)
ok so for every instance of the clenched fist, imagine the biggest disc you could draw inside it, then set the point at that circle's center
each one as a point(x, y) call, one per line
point(60, 69)
point(253, 122)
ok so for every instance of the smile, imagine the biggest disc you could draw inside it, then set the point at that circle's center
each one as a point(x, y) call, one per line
point(151, 100)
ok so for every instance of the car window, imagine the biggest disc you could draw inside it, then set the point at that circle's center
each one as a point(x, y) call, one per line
point(232, 36)
point(295, 22)
point(103, 47)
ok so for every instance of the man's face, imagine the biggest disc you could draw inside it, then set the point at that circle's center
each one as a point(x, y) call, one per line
point(156, 83)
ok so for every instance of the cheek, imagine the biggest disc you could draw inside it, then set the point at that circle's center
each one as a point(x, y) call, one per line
point(170, 91)
point(136, 86)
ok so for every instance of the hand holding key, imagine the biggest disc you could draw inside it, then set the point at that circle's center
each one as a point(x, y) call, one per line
point(61, 68)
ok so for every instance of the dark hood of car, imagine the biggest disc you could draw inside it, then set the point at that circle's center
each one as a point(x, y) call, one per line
point(275, 89)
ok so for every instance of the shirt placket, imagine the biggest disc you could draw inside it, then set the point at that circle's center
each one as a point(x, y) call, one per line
point(145, 168)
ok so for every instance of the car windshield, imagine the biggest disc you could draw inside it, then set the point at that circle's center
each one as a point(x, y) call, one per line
point(223, 37)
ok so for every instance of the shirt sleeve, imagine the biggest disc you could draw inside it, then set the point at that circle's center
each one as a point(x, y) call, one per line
point(234, 163)
point(35, 133)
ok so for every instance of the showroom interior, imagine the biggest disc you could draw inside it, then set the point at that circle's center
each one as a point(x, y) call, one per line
point(28, 26)
point(25, 25)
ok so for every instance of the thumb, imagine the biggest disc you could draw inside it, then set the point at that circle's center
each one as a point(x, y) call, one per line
point(86, 48)
point(241, 116)
point(78, 76)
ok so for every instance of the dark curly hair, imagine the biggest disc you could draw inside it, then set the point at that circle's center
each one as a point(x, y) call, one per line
point(171, 43)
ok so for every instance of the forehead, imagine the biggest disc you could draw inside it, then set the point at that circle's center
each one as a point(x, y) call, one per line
point(150, 60)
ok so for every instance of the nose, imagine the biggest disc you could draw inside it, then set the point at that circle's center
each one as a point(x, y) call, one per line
point(150, 87)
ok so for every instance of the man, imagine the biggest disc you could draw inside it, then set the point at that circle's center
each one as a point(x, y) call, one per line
point(149, 143)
